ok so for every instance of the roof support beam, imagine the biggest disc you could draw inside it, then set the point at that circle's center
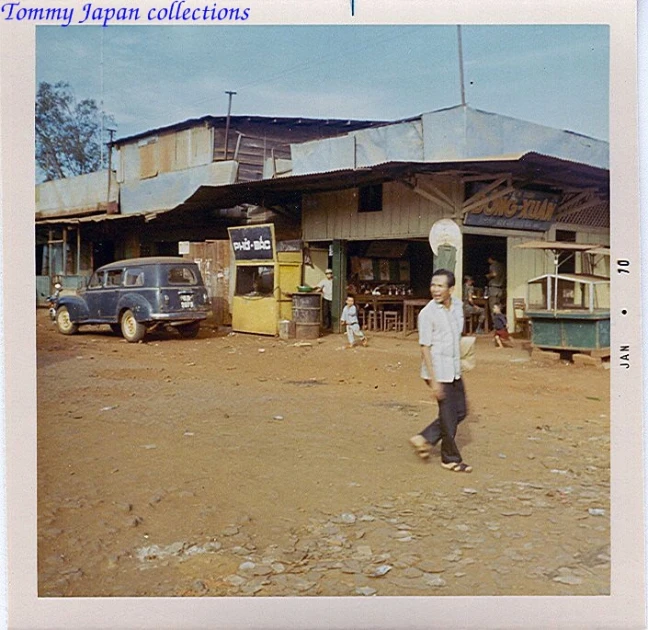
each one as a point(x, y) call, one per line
point(496, 195)
point(487, 190)
point(484, 178)
point(577, 198)
point(436, 196)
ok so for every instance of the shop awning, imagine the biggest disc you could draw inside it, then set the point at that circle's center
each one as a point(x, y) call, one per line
point(573, 277)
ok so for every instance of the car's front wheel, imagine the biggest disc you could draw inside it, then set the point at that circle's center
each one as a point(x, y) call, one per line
point(131, 329)
point(63, 322)
point(189, 331)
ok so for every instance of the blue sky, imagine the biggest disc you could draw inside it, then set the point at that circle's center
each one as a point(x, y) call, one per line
point(154, 76)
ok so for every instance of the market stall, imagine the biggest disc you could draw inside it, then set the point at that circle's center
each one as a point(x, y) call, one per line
point(266, 274)
point(569, 311)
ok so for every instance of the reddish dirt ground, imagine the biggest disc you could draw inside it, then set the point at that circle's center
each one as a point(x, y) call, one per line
point(235, 465)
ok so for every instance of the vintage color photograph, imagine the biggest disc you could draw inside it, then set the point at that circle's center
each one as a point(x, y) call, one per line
point(323, 311)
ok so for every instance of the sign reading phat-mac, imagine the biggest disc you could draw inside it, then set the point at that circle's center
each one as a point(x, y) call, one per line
point(253, 242)
point(521, 210)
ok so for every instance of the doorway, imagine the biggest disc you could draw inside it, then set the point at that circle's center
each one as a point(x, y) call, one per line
point(103, 252)
point(476, 250)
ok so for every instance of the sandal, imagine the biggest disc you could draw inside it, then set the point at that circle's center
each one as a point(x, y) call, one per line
point(421, 446)
point(457, 467)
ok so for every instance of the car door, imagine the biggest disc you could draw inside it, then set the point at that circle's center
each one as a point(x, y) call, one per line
point(113, 282)
point(92, 295)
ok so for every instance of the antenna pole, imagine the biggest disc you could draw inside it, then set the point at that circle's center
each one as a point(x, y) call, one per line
point(461, 69)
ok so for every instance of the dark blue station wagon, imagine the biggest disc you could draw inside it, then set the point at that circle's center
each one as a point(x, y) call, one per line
point(137, 296)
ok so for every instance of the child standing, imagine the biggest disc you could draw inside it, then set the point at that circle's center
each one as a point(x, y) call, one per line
point(500, 325)
point(350, 318)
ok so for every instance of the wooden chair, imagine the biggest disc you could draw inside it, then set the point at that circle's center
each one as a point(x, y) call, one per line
point(520, 319)
point(470, 323)
point(374, 320)
point(392, 320)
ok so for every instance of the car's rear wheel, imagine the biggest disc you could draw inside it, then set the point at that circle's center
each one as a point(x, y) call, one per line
point(131, 329)
point(63, 322)
point(116, 328)
point(189, 331)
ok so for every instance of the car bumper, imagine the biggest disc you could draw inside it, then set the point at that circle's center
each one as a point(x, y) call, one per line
point(178, 317)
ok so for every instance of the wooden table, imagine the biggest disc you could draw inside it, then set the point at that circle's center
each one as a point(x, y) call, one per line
point(410, 314)
point(378, 302)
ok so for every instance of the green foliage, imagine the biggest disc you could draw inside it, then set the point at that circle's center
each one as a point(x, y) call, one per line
point(68, 134)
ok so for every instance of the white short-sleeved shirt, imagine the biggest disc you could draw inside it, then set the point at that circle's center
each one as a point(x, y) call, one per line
point(350, 314)
point(440, 328)
point(327, 288)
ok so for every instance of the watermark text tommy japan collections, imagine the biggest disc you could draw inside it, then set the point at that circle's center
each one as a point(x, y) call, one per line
point(175, 11)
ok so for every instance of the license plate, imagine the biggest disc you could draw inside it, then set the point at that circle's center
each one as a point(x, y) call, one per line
point(186, 301)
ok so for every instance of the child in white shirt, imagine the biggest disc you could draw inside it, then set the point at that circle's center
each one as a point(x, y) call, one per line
point(350, 318)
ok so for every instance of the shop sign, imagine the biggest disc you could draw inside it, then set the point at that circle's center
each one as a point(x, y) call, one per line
point(252, 242)
point(521, 210)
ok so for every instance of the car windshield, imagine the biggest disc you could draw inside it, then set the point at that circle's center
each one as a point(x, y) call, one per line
point(182, 275)
point(96, 281)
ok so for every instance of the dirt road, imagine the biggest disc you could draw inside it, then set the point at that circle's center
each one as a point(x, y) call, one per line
point(243, 465)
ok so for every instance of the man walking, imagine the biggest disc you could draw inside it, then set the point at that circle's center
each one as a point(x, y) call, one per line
point(440, 324)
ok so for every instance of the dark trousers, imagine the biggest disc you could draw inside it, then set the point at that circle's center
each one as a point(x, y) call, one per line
point(326, 314)
point(452, 410)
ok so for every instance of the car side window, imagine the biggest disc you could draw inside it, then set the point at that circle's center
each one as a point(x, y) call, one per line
point(96, 281)
point(114, 278)
point(182, 275)
point(134, 278)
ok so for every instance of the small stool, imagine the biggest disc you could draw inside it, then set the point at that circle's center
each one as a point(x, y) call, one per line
point(392, 320)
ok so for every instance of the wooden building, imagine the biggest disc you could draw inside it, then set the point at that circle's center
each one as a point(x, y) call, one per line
point(165, 190)
point(501, 180)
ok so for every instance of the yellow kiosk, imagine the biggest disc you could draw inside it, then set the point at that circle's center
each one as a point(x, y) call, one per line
point(266, 273)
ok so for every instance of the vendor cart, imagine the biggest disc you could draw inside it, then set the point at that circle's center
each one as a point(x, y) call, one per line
point(570, 311)
point(266, 274)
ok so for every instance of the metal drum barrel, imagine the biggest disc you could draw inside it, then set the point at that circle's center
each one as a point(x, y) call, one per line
point(306, 315)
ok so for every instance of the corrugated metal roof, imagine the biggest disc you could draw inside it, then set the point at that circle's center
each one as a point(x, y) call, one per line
point(552, 171)
point(596, 216)
point(534, 167)
point(97, 218)
point(343, 124)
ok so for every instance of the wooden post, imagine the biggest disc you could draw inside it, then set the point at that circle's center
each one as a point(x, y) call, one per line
point(78, 248)
point(339, 282)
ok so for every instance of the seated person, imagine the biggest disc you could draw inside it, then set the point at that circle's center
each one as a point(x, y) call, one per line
point(502, 337)
point(469, 307)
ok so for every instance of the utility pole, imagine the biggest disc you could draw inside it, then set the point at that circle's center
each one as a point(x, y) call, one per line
point(461, 69)
point(101, 104)
point(227, 123)
point(111, 132)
